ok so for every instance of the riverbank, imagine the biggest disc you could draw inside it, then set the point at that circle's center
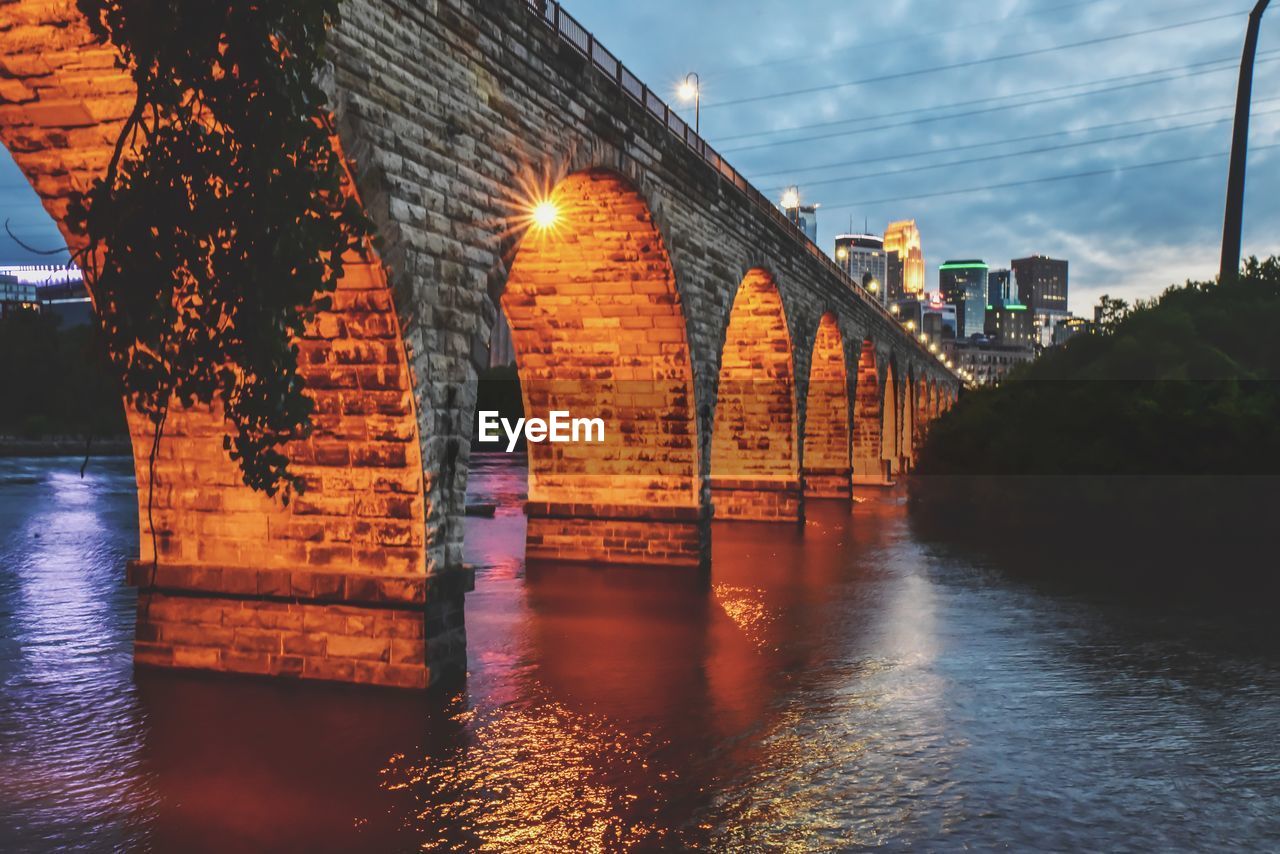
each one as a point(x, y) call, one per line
point(1165, 536)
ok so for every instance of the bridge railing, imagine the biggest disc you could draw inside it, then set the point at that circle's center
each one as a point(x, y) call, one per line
point(553, 15)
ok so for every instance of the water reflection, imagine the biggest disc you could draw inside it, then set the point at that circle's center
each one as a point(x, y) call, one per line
point(831, 685)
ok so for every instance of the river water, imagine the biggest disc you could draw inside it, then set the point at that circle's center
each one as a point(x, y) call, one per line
point(832, 687)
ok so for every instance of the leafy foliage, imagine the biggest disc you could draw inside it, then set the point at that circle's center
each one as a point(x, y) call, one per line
point(1187, 384)
point(55, 381)
point(221, 222)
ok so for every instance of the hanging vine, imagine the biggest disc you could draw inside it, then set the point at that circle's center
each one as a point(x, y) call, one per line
point(220, 224)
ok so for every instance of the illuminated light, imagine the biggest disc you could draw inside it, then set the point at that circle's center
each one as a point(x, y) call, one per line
point(924, 339)
point(894, 308)
point(545, 215)
point(687, 91)
point(911, 326)
point(791, 198)
point(933, 348)
point(874, 287)
point(842, 253)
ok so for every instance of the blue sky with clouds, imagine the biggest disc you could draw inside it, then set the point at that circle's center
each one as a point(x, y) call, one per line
point(1163, 94)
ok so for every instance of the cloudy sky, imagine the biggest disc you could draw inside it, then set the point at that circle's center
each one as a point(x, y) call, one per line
point(1099, 87)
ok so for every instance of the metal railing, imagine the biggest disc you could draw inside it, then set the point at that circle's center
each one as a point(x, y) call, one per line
point(553, 15)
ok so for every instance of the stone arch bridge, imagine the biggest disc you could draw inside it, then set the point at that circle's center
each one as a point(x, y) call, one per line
point(738, 371)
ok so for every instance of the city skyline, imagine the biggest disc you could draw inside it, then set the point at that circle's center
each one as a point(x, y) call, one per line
point(1130, 234)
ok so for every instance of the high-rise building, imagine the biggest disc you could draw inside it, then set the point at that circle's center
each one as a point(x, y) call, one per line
point(804, 216)
point(987, 362)
point(964, 285)
point(862, 256)
point(1042, 287)
point(1010, 325)
point(1000, 288)
point(893, 278)
point(902, 237)
point(931, 317)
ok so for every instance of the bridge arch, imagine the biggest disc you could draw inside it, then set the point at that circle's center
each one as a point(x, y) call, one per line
point(598, 329)
point(826, 449)
point(868, 468)
point(355, 539)
point(907, 447)
point(890, 420)
point(754, 455)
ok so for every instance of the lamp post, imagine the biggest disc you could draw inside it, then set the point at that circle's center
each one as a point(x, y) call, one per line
point(1233, 220)
point(691, 89)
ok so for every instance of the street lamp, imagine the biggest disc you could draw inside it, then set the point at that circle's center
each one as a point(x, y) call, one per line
point(691, 90)
point(1233, 220)
point(545, 214)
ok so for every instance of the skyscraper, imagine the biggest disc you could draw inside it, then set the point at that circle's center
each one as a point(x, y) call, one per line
point(862, 256)
point(1000, 288)
point(804, 216)
point(902, 237)
point(964, 285)
point(1042, 287)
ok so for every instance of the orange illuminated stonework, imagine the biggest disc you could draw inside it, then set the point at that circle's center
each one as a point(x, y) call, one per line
point(827, 460)
point(754, 458)
point(624, 292)
point(334, 585)
point(599, 331)
point(907, 436)
point(868, 467)
point(890, 430)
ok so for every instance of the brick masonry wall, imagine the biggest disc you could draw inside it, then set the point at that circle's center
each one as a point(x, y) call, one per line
point(868, 467)
point(451, 110)
point(454, 116)
point(754, 454)
point(827, 439)
point(62, 104)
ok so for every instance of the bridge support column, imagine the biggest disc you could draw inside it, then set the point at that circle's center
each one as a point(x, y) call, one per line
point(390, 630)
point(617, 534)
point(827, 482)
point(758, 499)
point(876, 474)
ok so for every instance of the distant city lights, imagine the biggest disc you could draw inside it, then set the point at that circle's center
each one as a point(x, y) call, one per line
point(43, 274)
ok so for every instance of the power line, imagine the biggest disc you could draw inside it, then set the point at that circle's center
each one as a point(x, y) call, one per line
point(917, 72)
point(967, 113)
point(986, 143)
point(1032, 181)
point(880, 43)
point(1042, 150)
point(1229, 63)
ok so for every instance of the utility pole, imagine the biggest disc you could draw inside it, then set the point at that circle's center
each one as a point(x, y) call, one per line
point(1233, 221)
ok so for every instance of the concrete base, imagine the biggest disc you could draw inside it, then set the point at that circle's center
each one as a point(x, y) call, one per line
point(827, 483)
point(396, 631)
point(757, 499)
point(616, 534)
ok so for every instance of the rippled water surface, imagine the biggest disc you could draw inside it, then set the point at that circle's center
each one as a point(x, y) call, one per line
point(830, 687)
